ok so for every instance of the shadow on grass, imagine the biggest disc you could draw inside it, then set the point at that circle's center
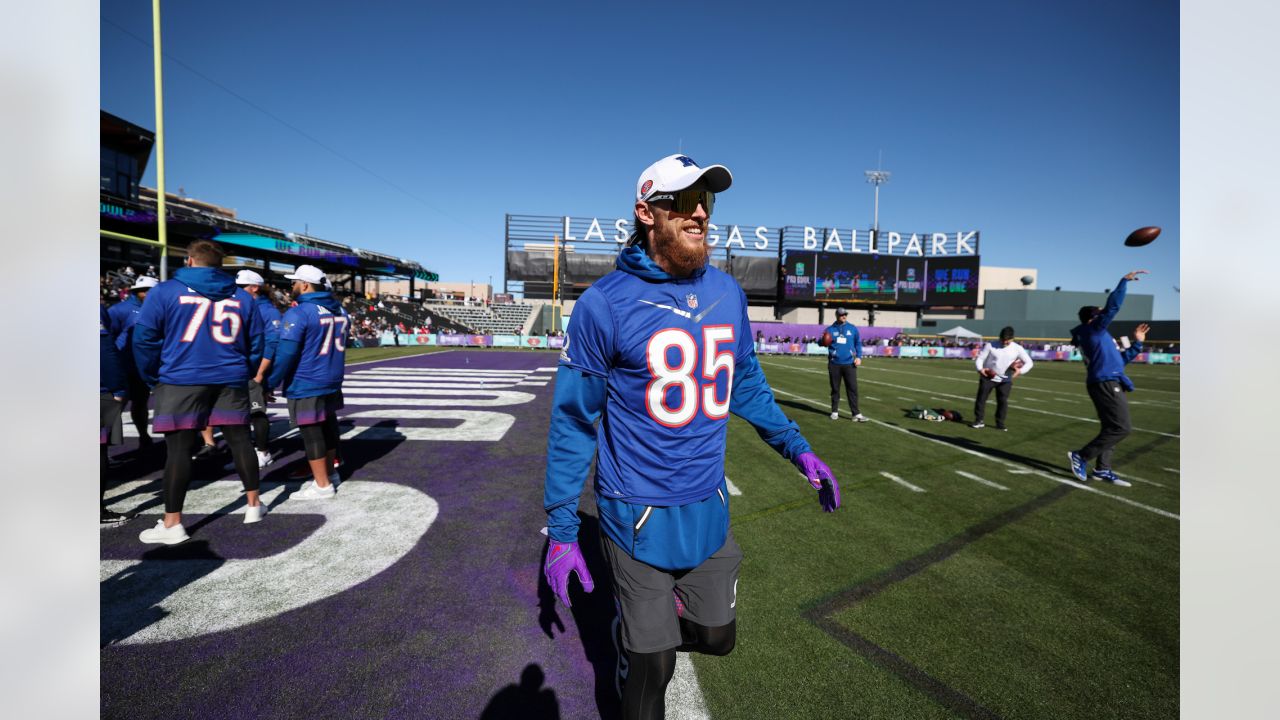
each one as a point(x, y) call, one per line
point(999, 453)
point(529, 699)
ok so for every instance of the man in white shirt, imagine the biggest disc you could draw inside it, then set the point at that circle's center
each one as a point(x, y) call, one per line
point(997, 367)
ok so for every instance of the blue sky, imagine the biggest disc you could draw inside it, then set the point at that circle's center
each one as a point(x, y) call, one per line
point(1052, 128)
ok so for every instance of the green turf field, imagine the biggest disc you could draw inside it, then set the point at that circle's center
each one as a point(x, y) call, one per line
point(1001, 593)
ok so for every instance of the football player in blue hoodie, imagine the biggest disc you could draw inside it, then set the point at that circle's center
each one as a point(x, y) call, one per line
point(253, 283)
point(120, 320)
point(309, 363)
point(1106, 382)
point(195, 342)
point(659, 354)
point(112, 393)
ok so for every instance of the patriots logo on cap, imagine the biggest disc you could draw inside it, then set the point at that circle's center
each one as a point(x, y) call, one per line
point(644, 189)
point(686, 161)
point(692, 300)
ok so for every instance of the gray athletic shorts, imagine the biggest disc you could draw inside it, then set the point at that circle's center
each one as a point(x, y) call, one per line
point(314, 410)
point(194, 407)
point(257, 398)
point(649, 622)
point(110, 426)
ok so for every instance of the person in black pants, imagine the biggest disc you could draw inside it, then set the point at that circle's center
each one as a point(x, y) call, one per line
point(844, 355)
point(998, 364)
point(1106, 383)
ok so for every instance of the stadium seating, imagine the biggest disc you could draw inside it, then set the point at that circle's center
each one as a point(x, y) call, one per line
point(491, 320)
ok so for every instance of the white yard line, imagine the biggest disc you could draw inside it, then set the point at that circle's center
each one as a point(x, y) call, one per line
point(1172, 470)
point(1005, 463)
point(399, 357)
point(1135, 478)
point(902, 482)
point(984, 481)
point(965, 397)
point(684, 695)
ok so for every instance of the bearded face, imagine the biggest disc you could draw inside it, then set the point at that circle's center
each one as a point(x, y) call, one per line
point(678, 243)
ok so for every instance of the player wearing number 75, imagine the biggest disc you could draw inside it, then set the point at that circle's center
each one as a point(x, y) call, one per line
point(309, 362)
point(195, 341)
point(657, 355)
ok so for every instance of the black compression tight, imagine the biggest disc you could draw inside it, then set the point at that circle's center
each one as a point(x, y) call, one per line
point(177, 467)
point(261, 431)
point(102, 473)
point(644, 696)
point(237, 437)
point(319, 439)
point(707, 640)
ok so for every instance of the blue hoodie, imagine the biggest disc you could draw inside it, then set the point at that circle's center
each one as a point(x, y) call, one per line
point(121, 318)
point(1103, 362)
point(311, 354)
point(111, 377)
point(659, 362)
point(197, 328)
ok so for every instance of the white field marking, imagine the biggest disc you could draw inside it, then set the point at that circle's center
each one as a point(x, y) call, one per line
point(684, 695)
point(499, 397)
point(984, 481)
point(352, 399)
point(477, 384)
point(476, 426)
point(436, 375)
point(1135, 478)
point(964, 397)
point(547, 369)
point(948, 374)
point(902, 482)
point(733, 489)
point(966, 380)
point(392, 359)
point(367, 528)
point(1172, 470)
point(1018, 471)
point(873, 399)
point(900, 397)
point(532, 383)
point(992, 458)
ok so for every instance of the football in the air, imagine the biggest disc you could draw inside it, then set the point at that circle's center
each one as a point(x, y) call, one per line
point(826, 339)
point(1142, 236)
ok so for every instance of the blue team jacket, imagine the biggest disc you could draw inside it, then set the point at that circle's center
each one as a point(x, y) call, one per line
point(311, 353)
point(1103, 362)
point(660, 362)
point(843, 353)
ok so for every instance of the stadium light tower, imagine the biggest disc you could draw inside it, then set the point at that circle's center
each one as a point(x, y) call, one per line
point(877, 177)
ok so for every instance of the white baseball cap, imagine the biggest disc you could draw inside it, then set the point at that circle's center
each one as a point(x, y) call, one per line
point(309, 273)
point(249, 277)
point(144, 282)
point(677, 172)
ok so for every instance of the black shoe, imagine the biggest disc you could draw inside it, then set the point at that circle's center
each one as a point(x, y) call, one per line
point(145, 442)
point(112, 517)
point(204, 453)
point(1002, 428)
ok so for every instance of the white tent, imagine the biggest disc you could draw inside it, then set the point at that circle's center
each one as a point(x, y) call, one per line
point(960, 334)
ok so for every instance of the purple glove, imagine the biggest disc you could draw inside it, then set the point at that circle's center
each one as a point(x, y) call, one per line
point(820, 477)
point(563, 559)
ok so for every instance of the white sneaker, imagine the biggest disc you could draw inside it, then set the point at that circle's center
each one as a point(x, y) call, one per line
point(166, 535)
point(312, 491)
point(254, 513)
point(835, 416)
point(264, 458)
point(859, 418)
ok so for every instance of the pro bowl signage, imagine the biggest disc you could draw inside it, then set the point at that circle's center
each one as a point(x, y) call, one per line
point(761, 237)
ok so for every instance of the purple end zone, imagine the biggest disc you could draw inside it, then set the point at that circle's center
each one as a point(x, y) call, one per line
point(446, 631)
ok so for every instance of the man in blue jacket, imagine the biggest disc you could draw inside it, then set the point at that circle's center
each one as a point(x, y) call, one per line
point(120, 320)
point(112, 393)
point(659, 353)
point(1106, 383)
point(253, 284)
point(844, 356)
point(194, 342)
point(309, 363)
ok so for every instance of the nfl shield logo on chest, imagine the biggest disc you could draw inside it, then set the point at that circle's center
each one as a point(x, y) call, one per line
point(692, 300)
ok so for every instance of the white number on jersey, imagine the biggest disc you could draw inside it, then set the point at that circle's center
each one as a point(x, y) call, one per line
point(714, 361)
point(224, 326)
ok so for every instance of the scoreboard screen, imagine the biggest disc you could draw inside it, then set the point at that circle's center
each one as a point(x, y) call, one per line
point(951, 281)
point(882, 279)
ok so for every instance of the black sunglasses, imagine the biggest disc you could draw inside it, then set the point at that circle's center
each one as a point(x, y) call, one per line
point(686, 202)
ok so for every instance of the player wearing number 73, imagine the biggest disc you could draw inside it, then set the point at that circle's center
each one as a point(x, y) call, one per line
point(309, 362)
point(659, 353)
point(195, 340)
